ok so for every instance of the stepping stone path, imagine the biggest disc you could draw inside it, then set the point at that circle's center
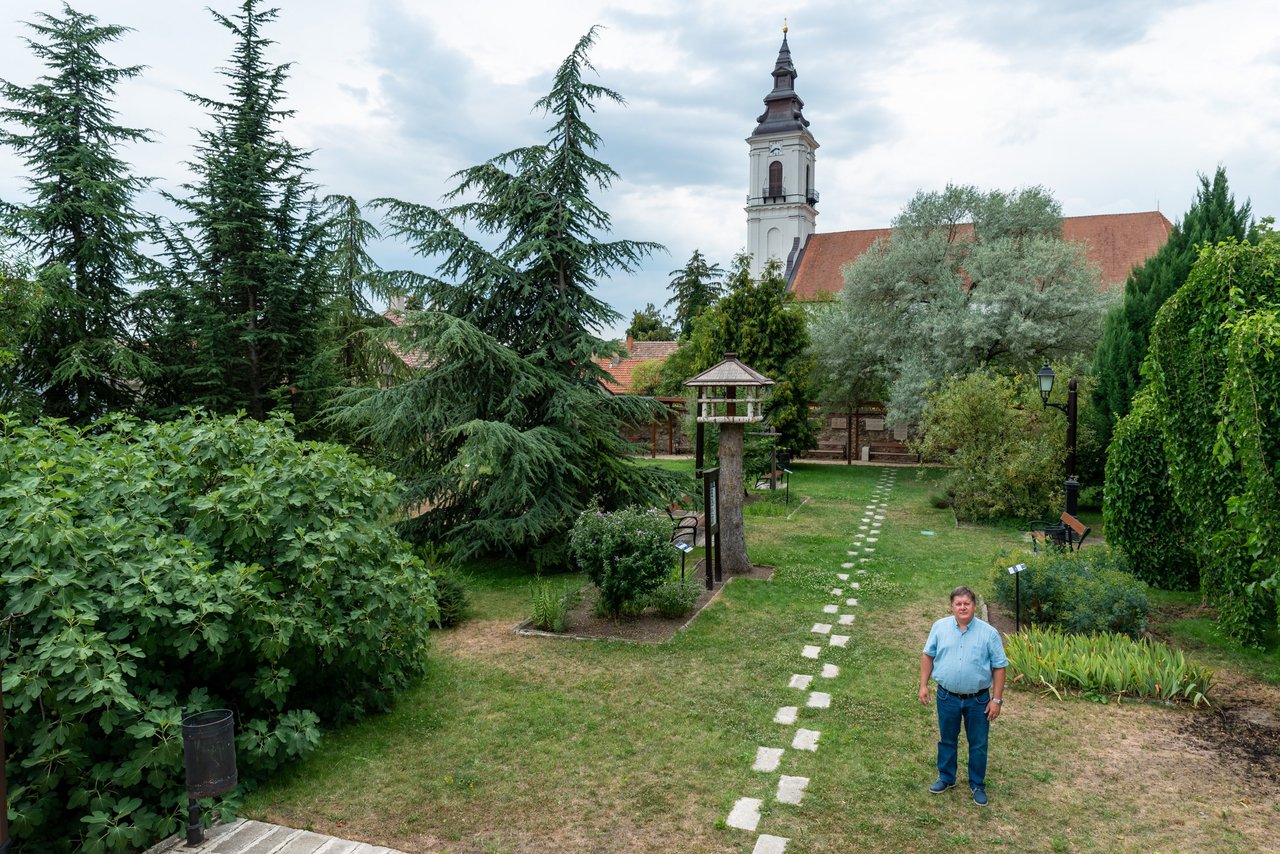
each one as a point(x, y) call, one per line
point(745, 814)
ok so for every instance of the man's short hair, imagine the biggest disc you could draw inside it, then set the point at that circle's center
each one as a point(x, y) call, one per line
point(964, 591)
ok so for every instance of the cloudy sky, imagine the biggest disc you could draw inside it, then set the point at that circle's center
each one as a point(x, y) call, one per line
point(1114, 105)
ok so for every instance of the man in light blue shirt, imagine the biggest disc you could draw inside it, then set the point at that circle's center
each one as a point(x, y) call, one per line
point(965, 656)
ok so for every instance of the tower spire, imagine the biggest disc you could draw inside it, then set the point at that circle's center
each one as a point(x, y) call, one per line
point(783, 107)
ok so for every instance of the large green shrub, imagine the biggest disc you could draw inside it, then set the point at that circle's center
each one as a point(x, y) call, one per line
point(1139, 512)
point(1212, 370)
point(626, 553)
point(1081, 592)
point(202, 562)
point(1007, 451)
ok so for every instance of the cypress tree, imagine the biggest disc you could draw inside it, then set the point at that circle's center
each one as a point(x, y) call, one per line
point(78, 228)
point(245, 276)
point(1213, 217)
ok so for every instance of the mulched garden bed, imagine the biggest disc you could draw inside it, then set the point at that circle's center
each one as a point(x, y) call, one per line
point(649, 627)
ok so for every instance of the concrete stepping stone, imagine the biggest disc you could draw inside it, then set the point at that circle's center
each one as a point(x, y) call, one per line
point(767, 844)
point(843, 576)
point(818, 700)
point(801, 681)
point(745, 814)
point(830, 671)
point(863, 527)
point(830, 609)
point(810, 651)
point(851, 553)
point(845, 620)
point(837, 591)
point(791, 789)
point(767, 759)
point(847, 565)
point(863, 560)
point(786, 715)
point(868, 548)
point(806, 739)
point(839, 640)
point(875, 530)
point(879, 518)
point(852, 603)
point(863, 571)
point(821, 628)
point(873, 539)
point(856, 585)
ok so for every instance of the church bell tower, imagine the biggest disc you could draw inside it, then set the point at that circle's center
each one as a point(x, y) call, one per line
point(781, 199)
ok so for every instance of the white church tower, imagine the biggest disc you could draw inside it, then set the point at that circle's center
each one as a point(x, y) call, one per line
point(781, 200)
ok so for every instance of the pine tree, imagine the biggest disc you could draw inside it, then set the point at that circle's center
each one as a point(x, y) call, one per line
point(506, 434)
point(648, 324)
point(78, 228)
point(1212, 217)
point(246, 271)
point(695, 287)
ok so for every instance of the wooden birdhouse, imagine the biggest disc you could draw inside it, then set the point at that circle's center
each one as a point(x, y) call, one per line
point(730, 393)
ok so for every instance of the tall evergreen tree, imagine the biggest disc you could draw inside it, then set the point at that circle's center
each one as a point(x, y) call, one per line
point(695, 287)
point(1213, 216)
point(506, 434)
point(78, 227)
point(246, 271)
point(648, 324)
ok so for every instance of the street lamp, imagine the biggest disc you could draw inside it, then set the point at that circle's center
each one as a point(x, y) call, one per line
point(1045, 378)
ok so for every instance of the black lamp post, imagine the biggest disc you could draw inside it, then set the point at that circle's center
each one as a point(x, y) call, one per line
point(1072, 486)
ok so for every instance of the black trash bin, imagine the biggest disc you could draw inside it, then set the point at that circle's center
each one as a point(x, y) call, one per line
point(209, 750)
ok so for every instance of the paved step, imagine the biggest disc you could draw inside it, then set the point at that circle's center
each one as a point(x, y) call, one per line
point(246, 836)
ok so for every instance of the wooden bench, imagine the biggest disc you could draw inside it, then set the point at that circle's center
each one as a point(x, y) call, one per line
point(1068, 533)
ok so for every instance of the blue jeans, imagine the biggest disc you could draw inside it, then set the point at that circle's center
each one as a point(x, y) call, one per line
point(973, 713)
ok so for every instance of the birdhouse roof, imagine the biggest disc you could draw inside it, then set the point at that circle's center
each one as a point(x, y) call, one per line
point(730, 372)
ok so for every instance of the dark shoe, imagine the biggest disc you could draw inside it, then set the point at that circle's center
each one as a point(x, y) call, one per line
point(939, 787)
point(980, 795)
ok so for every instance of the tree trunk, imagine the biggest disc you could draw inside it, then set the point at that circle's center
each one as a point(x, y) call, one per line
point(733, 542)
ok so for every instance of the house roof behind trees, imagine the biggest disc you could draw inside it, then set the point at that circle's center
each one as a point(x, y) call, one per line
point(637, 352)
point(1115, 242)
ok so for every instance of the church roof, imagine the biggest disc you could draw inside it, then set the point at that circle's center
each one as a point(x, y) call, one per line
point(1115, 242)
point(783, 108)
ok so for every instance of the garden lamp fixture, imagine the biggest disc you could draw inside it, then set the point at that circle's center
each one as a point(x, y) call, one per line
point(1045, 376)
point(1071, 487)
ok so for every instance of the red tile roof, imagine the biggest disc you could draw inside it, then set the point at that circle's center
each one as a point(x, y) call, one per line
point(638, 352)
point(1115, 242)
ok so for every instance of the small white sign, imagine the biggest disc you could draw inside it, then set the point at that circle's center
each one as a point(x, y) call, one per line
point(684, 547)
point(1014, 570)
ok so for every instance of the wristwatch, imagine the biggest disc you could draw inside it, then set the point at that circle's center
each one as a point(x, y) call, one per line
point(997, 701)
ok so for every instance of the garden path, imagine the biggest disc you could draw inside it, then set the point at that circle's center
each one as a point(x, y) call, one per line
point(245, 836)
point(746, 813)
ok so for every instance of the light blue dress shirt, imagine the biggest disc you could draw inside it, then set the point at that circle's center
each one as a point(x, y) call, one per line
point(963, 660)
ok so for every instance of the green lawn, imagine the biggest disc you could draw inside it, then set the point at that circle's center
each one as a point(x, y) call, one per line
point(534, 744)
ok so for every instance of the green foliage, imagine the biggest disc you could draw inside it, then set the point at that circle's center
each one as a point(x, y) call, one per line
point(1004, 447)
point(647, 376)
point(626, 553)
point(22, 300)
point(1139, 512)
point(966, 280)
point(1212, 371)
point(761, 322)
point(1212, 218)
point(452, 598)
point(78, 227)
point(550, 606)
point(505, 435)
point(674, 598)
point(695, 287)
point(1080, 592)
point(235, 318)
point(202, 562)
point(1105, 665)
point(648, 324)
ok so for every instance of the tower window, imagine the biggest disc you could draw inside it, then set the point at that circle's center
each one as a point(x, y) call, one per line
point(775, 178)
